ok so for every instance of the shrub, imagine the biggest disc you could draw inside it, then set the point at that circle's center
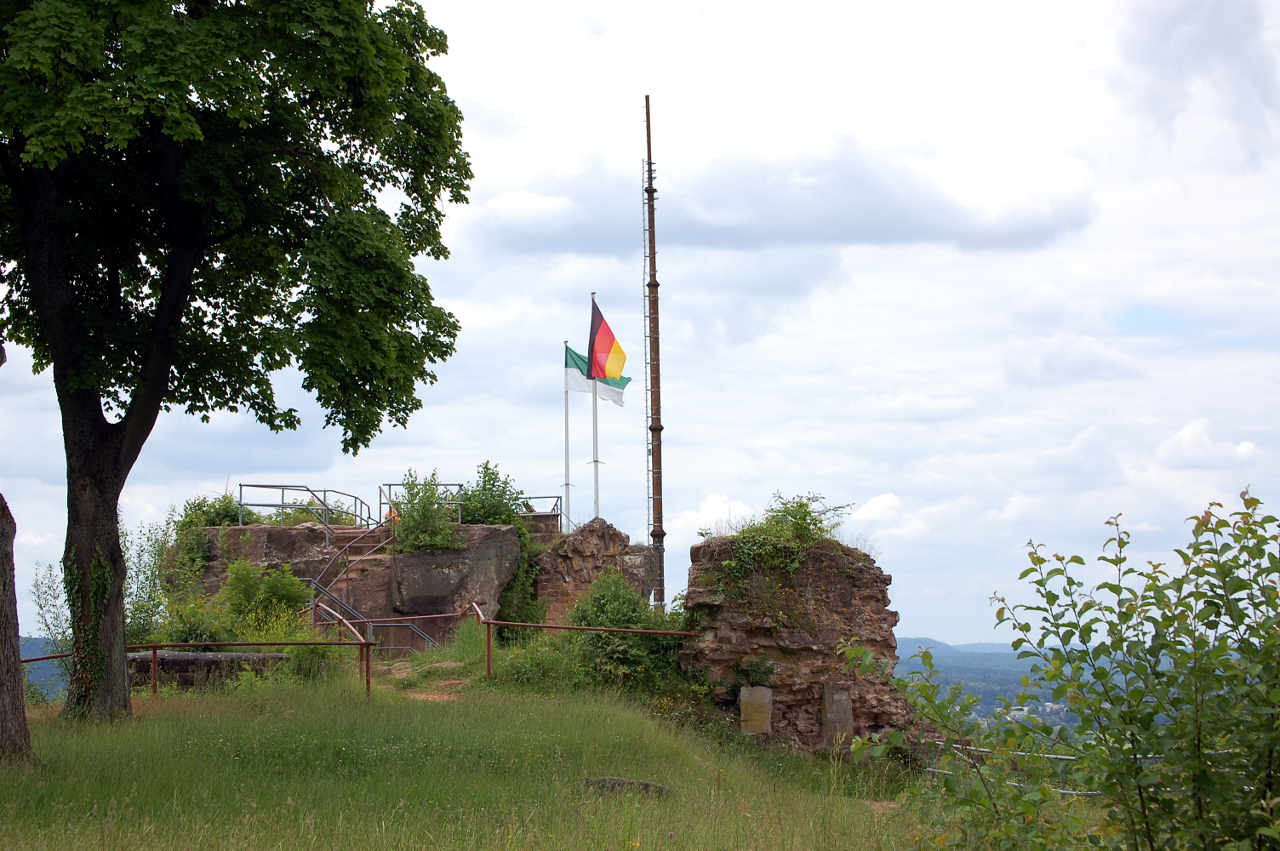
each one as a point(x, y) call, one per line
point(426, 521)
point(777, 541)
point(32, 694)
point(251, 592)
point(201, 511)
point(1172, 675)
point(197, 619)
point(314, 511)
point(550, 662)
point(492, 498)
point(629, 661)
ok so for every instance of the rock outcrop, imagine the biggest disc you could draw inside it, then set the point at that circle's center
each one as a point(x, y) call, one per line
point(301, 547)
point(441, 581)
point(567, 569)
point(786, 629)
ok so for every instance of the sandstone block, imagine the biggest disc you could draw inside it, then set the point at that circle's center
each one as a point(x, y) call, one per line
point(755, 709)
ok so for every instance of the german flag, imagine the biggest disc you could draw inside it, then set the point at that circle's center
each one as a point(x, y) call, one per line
point(606, 355)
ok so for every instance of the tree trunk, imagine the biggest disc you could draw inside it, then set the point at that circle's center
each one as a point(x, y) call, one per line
point(93, 574)
point(15, 740)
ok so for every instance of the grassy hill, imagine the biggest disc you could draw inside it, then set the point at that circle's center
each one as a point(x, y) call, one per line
point(282, 766)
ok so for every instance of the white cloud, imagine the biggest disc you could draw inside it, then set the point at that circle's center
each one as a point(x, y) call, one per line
point(1192, 446)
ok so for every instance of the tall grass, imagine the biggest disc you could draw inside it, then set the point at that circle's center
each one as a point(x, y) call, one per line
point(277, 765)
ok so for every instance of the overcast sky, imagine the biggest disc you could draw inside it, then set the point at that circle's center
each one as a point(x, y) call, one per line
point(988, 271)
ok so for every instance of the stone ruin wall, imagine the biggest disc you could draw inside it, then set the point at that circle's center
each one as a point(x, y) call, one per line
point(838, 593)
point(440, 581)
point(567, 569)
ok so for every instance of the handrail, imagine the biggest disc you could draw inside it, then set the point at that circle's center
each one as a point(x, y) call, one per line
point(489, 624)
point(341, 620)
point(392, 503)
point(343, 551)
point(318, 504)
point(351, 610)
point(556, 500)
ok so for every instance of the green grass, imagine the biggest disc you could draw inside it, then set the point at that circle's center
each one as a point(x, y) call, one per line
point(284, 766)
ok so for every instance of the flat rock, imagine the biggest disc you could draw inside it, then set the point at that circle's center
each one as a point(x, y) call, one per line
point(622, 784)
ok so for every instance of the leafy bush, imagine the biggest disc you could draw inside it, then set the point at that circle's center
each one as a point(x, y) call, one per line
point(32, 694)
point(201, 511)
point(551, 661)
point(313, 511)
point(776, 542)
point(1172, 675)
point(250, 592)
point(197, 619)
point(492, 498)
point(629, 661)
point(425, 520)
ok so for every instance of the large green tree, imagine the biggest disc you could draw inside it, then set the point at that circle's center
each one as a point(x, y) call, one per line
point(192, 199)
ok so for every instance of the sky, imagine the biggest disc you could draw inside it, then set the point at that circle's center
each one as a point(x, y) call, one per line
point(985, 272)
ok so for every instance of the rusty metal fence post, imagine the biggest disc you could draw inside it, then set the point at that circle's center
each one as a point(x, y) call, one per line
point(155, 671)
point(488, 650)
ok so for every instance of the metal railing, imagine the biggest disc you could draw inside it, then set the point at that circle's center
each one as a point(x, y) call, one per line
point(489, 624)
point(533, 505)
point(342, 552)
point(324, 504)
point(352, 615)
point(553, 504)
point(388, 500)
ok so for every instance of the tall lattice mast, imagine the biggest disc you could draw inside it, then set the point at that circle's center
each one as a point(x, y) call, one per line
point(652, 372)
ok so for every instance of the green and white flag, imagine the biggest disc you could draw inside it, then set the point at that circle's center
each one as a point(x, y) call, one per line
point(575, 377)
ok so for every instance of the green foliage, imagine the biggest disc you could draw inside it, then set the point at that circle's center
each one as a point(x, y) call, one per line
point(197, 619)
point(426, 519)
point(201, 512)
point(51, 612)
point(550, 662)
point(627, 661)
point(314, 511)
point(227, 224)
point(775, 543)
point(32, 694)
point(146, 554)
point(755, 672)
point(492, 498)
point(251, 592)
point(1172, 675)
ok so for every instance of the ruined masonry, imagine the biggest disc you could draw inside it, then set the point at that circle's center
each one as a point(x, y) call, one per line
point(793, 627)
point(567, 569)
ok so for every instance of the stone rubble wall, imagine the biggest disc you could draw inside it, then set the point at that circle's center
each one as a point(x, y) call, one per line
point(567, 569)
point(837, 593)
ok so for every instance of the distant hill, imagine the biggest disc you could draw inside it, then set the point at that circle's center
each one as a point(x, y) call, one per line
point(47, 675)
point(988, 670)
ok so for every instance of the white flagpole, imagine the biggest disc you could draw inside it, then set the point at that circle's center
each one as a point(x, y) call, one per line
point(595, 445)
point(595, 431)
point(568, 517)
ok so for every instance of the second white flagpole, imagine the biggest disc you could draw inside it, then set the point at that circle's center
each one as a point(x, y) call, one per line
point(568, 516)
point(595, 445)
